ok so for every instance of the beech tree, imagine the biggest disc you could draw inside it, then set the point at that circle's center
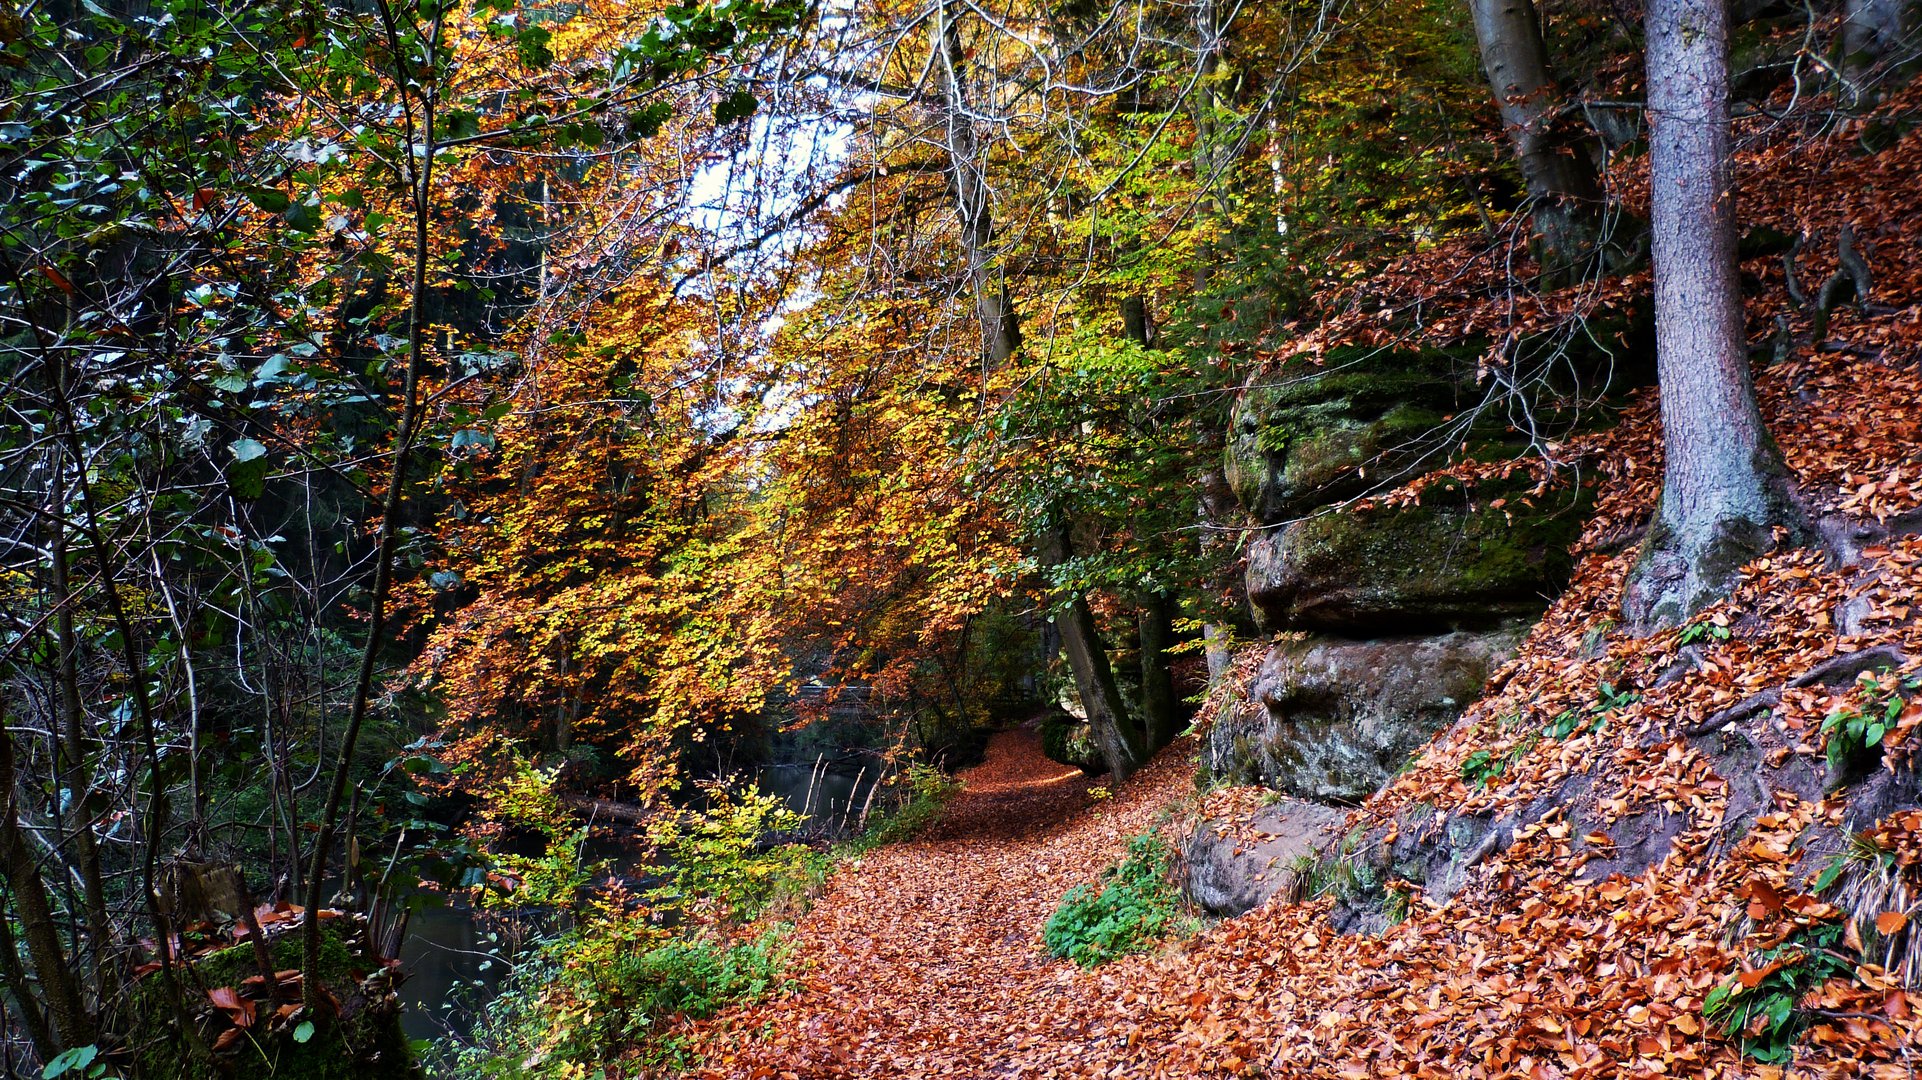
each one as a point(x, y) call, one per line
point(1564, 193)
point(1724, 487)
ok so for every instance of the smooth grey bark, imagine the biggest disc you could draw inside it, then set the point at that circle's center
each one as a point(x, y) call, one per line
point(1724, 484)
point(1094, 677)
point(973, 199)
point(1565, 193)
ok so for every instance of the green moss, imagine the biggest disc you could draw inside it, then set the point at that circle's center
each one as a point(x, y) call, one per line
point(1443, 562)
point(367, 1044)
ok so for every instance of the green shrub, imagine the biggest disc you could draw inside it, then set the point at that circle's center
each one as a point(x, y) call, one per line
point(927, 789)
point(1760, 1010)
point(602, 993)
point(1136, 906)
point(714, 861)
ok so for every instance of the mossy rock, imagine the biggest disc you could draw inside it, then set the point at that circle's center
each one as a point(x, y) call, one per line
point(364, 1043)
point(1068, 741)
point(1303, 440)
point(1333, 720)
point(1447, 563)
point(1369, 418)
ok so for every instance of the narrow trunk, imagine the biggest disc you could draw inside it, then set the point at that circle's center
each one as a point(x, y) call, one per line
point(973, 199)
point(1154, 618)
point(1565, 194)
point(72, 1023)
point(1094, 679)
point(75, 741)
point(1160, 709)
point(1724, 485)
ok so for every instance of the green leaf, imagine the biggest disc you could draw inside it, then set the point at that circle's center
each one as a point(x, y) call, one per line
point(74, 1060)
point(736, 106)
point(246, 450)
point(647, 123)
point(274, 202)
point(303, 1031)
point(304, 217)
point(460, 124)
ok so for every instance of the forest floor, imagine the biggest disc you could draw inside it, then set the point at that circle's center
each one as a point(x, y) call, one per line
point(925, 958)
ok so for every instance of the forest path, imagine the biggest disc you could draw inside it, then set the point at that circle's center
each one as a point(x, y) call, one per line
point(925, 958)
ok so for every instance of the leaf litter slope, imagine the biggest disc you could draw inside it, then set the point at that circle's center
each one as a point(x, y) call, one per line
point(926, 958)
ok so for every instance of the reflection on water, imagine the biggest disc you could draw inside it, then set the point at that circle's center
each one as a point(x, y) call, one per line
point(457, 958)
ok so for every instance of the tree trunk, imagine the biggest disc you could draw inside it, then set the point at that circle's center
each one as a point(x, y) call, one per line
point(973, 199)
point(75, 741)
point(1093, 676)
point(1155, 615)
point(1724, 485)
point(1000, 337)
point(72, 1023)
point(1565, 194)
point(1160, 708)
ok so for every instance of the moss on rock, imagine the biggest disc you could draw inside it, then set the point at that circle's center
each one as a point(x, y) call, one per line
point(1068, 741)
point(1444, 563)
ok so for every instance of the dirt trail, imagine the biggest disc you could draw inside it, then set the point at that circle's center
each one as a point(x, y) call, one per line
point(925, 959)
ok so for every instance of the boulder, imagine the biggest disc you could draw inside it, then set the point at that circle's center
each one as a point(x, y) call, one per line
point(1447, 562)
point(1231, 870)
point(1303, 441)
point(1067, 740)
point(1334, 720)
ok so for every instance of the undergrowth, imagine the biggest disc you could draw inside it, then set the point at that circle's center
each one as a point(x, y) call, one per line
point(1137, 904)
point(712, 934)
point(1758, 1007)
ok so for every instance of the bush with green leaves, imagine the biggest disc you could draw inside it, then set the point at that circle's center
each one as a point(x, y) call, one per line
point(1853, 733)
point(1136, 905)
point(1758, 1006)
point(716, 863)
point(597, 993)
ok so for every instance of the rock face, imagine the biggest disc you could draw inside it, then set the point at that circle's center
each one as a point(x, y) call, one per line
point(1230, 872)
point(1401, 611)
point(1298, 443)
point(1333, 720)
point(1425, 567)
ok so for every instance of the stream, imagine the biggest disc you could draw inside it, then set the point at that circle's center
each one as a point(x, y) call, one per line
point(457, 959)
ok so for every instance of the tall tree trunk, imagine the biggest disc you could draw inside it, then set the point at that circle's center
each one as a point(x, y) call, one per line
point(1093, 676)
point(973, 199)
point(72, 1022)
point(1724, 485)
point(1565, 193)
point(1215, 500)
point(75, 742)
point(1155, 614)
point(1160, 708)
point(1000, 337)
